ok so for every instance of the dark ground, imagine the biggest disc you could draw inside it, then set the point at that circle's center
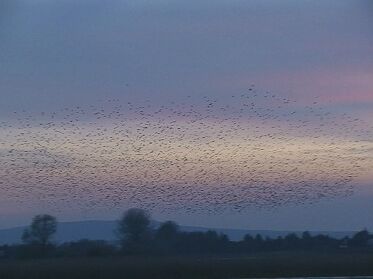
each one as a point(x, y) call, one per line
point(280, 264)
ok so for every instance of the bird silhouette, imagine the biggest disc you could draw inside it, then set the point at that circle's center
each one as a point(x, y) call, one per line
point(250, 150)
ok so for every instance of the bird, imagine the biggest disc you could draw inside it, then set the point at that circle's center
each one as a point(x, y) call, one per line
point(251, 150)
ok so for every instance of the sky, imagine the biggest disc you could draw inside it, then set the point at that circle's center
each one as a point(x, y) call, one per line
point(57, 54)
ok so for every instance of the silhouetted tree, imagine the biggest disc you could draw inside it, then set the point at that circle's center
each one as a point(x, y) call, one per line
point(38, 236)
point(167, 230)
point(292, 240)
point(136, 237)
point(360, 238)
point(86, 248)
point(134, 231)
point(306, 236)
point(306, 240)
point(167, 237)
point(41, 230)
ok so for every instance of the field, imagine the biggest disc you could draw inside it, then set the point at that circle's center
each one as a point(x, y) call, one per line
point(258, 265)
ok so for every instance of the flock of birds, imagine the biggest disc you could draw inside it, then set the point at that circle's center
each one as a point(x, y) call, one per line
point(252, 150)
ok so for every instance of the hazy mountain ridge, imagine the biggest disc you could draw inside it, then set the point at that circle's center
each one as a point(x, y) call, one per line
point(105, 230)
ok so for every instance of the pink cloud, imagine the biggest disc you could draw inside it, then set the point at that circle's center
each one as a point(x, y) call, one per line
point(346, 86)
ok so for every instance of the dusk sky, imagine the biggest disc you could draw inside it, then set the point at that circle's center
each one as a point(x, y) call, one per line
point(314, 56)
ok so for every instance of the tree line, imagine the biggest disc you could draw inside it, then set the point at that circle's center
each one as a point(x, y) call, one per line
point(136, 236)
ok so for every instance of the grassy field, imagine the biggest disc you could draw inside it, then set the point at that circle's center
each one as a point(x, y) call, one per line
point(259, 265)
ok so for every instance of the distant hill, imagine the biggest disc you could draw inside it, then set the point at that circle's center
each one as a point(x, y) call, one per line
point(104, 230)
